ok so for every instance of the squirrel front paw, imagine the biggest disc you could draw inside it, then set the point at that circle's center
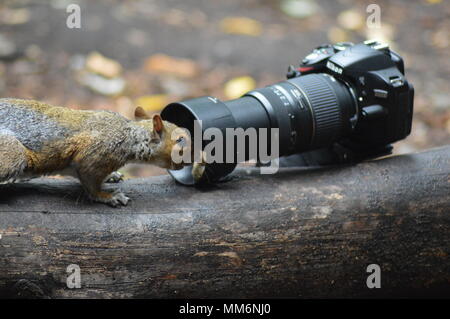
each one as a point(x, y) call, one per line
point(198, 169)
point(114, 177)
point(112, 199)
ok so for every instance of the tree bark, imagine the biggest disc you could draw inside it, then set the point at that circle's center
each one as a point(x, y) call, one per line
point(303, 232)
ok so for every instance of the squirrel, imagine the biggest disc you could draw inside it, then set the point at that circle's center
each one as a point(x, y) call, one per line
point(39, 139)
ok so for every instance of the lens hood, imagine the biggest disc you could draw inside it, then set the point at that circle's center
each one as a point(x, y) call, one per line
point(212, 113)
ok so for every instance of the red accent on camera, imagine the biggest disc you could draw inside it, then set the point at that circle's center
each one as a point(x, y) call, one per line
point(305, 69)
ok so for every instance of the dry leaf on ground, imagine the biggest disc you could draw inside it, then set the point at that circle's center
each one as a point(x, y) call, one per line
point(152, 103)
point(237, 87)
point(161, 63)
point(351, 20)
point(99, 64)
point(241, 25)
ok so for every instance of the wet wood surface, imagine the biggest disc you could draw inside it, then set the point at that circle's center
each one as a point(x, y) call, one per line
point(303, 232)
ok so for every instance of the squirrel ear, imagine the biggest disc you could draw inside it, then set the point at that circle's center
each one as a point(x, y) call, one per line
point(157, 123)
point(141, 114)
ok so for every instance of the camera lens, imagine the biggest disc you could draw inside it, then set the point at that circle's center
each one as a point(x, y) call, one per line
point(310, 112)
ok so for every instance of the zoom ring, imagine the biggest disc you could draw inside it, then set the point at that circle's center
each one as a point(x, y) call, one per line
point(326, 111)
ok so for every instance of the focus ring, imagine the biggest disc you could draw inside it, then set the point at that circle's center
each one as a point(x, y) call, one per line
point(325, 108)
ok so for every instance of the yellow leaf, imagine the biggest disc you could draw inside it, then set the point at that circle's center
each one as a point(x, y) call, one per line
point(237, 87)
point(241, 25)
point(14, 16)
point(97, 63)
point(161, 63)
point(351, 20)
point(152, 103)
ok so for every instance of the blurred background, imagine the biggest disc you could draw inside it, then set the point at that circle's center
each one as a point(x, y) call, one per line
point(152, 52)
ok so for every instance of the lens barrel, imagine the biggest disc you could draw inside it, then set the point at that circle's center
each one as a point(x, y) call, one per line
point(310, 111)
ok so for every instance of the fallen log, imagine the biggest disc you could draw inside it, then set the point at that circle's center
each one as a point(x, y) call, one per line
point(303, 232)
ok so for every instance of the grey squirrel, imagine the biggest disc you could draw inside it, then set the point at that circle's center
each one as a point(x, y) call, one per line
point(39, 139)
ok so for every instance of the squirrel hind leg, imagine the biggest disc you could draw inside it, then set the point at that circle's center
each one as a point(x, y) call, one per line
point(13, 159)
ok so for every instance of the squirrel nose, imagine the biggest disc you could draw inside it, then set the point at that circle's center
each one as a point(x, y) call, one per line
point(176, 166)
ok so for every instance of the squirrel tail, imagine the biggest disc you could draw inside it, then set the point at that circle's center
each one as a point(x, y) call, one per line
point(13, 159)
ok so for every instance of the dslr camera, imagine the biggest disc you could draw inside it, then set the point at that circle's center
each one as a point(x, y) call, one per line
point(345, 103)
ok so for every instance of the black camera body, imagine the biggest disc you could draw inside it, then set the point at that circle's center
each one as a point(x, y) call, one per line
point(345, 103)
point(375, 75)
